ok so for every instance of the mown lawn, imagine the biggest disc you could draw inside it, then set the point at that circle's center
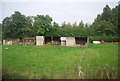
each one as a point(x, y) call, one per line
point(55, 61)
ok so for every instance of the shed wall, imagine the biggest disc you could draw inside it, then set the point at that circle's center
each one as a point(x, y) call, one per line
point(39, 40)
point(70, 41)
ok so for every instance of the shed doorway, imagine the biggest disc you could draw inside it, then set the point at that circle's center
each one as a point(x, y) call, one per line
point(56, 41)
point(48, 40)
point(81, 40)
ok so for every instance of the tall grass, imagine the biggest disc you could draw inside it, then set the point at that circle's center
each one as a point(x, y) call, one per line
point(97, 73)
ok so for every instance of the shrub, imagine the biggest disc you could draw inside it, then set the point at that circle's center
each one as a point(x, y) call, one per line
point(105, 38)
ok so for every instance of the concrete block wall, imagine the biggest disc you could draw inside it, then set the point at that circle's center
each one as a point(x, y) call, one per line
point(70, 41)
point(39, 40)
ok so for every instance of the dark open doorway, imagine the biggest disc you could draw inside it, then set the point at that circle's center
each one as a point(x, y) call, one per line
point(81, 40)
point(52, 41)
point(56, 41)
point(48, 40)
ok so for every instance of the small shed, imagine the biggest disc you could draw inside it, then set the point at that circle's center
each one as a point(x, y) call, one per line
point(11, 41)
point(29, 40)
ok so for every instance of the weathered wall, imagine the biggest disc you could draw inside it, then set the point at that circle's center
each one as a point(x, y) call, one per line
point(11, 42)
point(70, 41)
point(63, 41)
point(7, 42)
point(39, 40)
point(63, 38)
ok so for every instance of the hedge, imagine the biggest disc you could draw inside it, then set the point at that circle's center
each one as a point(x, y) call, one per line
point(105, 38)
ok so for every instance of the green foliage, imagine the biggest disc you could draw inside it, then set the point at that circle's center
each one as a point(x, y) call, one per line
point(81, 24)
point(20, 26)
point(42, 24)
point(15, 26)
point(106, 23)
point(105, 38)
point(105, 28)
point(75, 25)
point(55, 25)
point(70, 32)
point(106, 15)
point(68, 26)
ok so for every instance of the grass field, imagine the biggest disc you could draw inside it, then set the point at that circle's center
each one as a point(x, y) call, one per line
point(54, 62)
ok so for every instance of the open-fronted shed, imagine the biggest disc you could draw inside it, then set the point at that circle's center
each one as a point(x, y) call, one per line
point(52, 40)
point(81, 41)
point(64, 41)
point(29, 40)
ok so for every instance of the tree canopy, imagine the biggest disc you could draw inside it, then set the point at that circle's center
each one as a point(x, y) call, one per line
point(20, 26)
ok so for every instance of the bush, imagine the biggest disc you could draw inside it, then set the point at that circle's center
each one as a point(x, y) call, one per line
point(105, 38)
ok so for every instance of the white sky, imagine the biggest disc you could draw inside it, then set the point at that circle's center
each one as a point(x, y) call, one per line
point(60, 10)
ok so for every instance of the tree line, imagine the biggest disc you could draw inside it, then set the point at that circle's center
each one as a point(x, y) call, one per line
point(20, 26)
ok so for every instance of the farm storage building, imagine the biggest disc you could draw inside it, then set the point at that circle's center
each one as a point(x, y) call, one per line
point(29, 40)
point(41, 40)
point(74, 41)
point(10, 41)
point(62, 41)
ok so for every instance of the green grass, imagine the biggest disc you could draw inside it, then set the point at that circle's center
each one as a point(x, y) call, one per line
point(55, 61)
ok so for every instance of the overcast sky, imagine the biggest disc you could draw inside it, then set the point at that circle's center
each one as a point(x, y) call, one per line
point(60, 10)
